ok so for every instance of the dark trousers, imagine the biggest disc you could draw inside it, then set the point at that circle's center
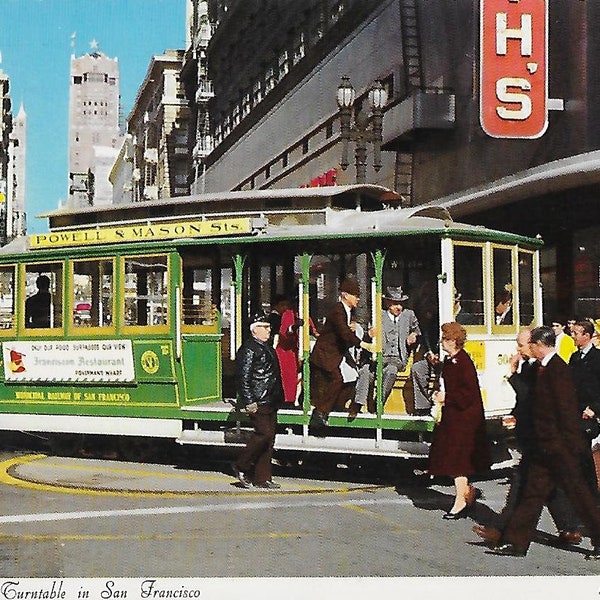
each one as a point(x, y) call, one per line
point(543, 477)
point(558, 505)
point(325, 388)
point(255, 458)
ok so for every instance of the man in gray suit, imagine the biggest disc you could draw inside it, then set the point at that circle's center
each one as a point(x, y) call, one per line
point(399, 331)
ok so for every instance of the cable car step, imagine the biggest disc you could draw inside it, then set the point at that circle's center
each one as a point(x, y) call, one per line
point(290, 441)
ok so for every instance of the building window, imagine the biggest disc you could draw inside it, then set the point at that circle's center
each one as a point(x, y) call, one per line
point(336, 11)
point(283, 64)
point(246, 104)
point(256, 92)
point(299, 49)
point(269, 80)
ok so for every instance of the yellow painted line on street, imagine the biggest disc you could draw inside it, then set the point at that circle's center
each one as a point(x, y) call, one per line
point(395, 526)
point(11, 464)
point(72, 537)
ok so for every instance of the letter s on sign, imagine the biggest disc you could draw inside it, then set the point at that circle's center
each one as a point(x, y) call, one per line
point(504, 94)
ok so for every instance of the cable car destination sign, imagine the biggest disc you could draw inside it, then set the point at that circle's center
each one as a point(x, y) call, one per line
point(514, 68)
point(144, 232)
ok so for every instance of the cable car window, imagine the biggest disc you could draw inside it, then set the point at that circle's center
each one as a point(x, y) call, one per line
point(146, 290)
point(44, 296)
point(198, 307)
point(412, 269)
point(7, 297)
point(92, 293)
point(526, 295)
point(468, 283)
point(503, 286)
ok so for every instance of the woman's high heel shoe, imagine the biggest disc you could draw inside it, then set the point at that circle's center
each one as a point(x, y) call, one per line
point(461, 514)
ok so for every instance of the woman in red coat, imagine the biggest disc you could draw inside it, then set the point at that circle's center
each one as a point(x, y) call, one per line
point(287, 350)
point(459, 447)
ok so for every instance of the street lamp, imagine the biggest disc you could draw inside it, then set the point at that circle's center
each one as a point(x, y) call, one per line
point(366, 127)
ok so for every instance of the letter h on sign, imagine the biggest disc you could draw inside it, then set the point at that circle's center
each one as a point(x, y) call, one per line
point(514, 68)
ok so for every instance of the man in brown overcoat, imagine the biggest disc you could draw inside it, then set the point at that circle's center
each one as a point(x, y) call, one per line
point(334, 340)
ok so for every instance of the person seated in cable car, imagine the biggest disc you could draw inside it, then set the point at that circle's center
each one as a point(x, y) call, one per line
point(37, 307)
point(503, 307)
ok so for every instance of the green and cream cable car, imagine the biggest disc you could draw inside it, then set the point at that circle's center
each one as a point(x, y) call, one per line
point(148, 303)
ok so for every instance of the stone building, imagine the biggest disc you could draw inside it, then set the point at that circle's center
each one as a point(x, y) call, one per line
point(158, 129)
point(94, 135)
point(16, 223)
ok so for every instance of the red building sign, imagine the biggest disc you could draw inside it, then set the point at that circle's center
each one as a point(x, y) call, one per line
point(514, 68)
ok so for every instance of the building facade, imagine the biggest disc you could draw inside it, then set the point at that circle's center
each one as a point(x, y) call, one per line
point(5, 131)
point(16, 223)
point(275, 67)
point(94, 135)
point(157, 127)
point(12, 165)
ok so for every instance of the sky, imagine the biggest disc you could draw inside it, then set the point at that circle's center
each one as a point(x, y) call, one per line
point(36, 44)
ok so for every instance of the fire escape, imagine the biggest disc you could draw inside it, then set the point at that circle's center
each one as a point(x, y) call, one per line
point(204, 93)
point(419, 108)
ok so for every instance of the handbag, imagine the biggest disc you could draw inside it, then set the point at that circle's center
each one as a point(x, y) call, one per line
point(591, 428)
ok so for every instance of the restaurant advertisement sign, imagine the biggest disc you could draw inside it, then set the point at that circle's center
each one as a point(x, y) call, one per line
point(107, 361)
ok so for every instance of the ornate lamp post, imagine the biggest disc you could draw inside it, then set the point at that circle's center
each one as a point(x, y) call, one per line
point(366, 127)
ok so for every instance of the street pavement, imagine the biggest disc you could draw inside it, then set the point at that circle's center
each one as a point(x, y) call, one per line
point(84, 517)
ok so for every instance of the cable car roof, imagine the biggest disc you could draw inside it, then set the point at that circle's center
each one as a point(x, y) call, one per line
point(364, 197)
point(256, 215)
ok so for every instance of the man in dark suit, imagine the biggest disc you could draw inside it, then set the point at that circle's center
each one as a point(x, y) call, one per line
point(585, 367)
point(334, 340)
point(556, 450)
point(522, 379)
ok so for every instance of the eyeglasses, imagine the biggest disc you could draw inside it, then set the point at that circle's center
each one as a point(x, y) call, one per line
point(265, 326)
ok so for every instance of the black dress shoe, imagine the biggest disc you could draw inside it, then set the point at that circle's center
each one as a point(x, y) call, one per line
point(268, 485)
point(487, 533)
point(507, 549)
point(317, 426)
point(353, 410)
point(241, 477)
point(594, 554)
point(461, 514)
point(569, 537)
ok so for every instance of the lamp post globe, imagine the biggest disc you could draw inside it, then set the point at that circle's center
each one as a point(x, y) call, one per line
point(345, 93)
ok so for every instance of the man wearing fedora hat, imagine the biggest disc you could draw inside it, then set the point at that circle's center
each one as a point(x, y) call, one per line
point(335, 339)
point(399, 331)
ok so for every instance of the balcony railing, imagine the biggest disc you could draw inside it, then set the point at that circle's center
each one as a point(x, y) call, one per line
point(205, 91)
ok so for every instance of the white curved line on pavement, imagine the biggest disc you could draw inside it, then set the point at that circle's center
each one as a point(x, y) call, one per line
point(173, 510)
